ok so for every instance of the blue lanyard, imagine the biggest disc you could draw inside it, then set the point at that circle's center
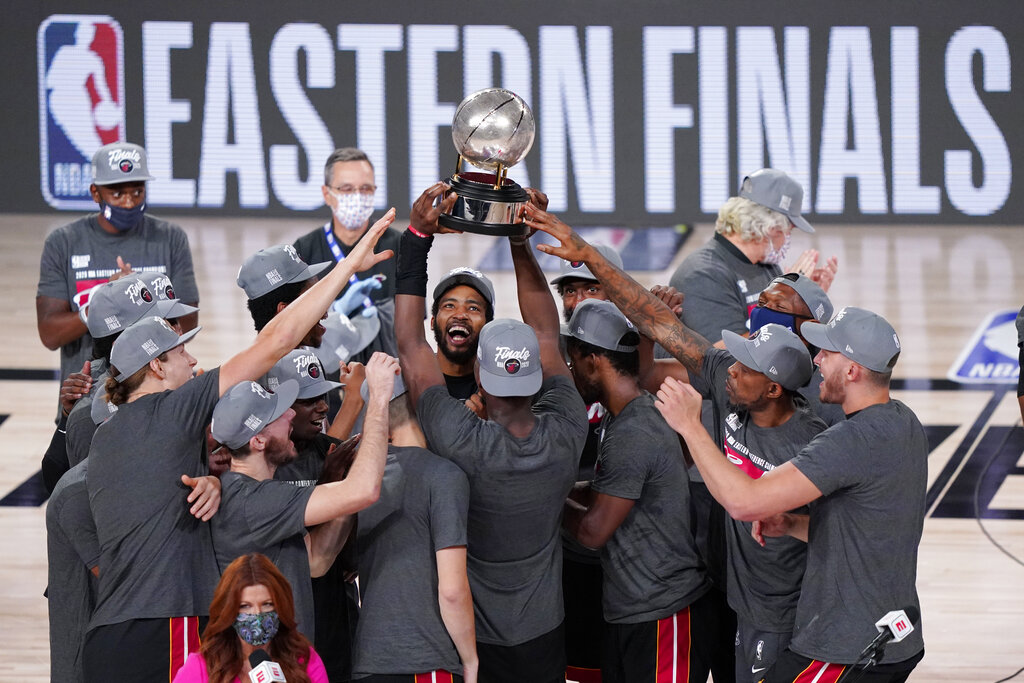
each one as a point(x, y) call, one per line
point(332, 242)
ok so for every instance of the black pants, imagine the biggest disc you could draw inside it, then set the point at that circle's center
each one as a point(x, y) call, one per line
point(541, 660)
point(140, 650)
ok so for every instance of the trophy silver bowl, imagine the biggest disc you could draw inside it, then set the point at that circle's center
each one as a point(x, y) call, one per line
point(493, 129)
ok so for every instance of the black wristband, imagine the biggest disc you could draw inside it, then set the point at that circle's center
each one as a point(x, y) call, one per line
point(412, 264)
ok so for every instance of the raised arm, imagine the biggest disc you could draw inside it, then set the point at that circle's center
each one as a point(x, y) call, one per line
point(420, 368)
point(361, 488)
point(746, 499)
point(288, 327)
point(652, 317)
point(456, 605)
point(537, 306)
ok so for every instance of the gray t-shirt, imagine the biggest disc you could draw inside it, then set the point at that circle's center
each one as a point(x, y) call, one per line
point(763, 584)
point(651, 568)
point(872, 471)
point(267, 517)
point(517, 490)
point(156, 558)
point(80, 255)
point(81, 426)
point(424, 501)
point(71, 550)
point(720, 286)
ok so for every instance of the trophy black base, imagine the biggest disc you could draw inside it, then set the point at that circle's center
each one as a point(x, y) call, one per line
point(483, 209)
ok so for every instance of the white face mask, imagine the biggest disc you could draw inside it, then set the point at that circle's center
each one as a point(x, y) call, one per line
point(352, 209)
point(773, 255)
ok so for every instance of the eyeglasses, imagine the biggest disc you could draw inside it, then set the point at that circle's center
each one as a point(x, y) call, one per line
point(352, 189)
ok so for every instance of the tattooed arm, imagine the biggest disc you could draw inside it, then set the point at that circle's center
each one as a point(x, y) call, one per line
point(653, 318)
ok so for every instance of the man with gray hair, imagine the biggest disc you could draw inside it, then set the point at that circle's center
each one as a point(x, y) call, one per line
point(349, 190)
point(720, 282)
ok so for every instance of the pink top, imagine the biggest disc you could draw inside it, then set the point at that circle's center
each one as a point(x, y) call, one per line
point(194, 670)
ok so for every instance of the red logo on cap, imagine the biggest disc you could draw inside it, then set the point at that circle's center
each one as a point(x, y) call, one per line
point(512, 366)
point(146, 296)
point(313, 370)
point(575, 264)
point(169, 293)
point(126, 165)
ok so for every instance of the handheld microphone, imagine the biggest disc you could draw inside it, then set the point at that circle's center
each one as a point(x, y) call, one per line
point(893, 627)
point(264, 670)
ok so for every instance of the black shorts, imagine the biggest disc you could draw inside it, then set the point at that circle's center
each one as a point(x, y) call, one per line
point(676, 648)
point(584, 620)
point(439, 676)
point(141, 650)
point(541, 660)
point(794, 668)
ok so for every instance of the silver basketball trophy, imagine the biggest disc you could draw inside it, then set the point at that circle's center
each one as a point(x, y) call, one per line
point(493, 129)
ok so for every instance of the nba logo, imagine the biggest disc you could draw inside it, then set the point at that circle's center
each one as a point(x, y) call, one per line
point(81, 102)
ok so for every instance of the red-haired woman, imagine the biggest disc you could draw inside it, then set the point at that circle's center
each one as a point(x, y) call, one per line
point(252, 609)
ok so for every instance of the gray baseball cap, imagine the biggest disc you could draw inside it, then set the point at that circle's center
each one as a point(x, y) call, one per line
point(302, 366)
point(344, 337)
point(143, 341)
point(602, 324)
point(161, 285)
point(397, 391)
point(775, 190)
point(775, 352)
point(577, 270)
point(269, 268)
point(247, 408)
point(864, 337)
point(509, 358)
point(119, 162)
point(464, 275)
point(812, 294)
point(115, 305)
point(101, 409)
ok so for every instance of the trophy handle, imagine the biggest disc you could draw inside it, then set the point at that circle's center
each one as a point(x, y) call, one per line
point(499, 176)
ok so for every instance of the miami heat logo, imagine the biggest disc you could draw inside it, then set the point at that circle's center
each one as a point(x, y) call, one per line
point(314, 370)
point(126, 166)
point(576, 264)
point(512, 366)
point(146, 296)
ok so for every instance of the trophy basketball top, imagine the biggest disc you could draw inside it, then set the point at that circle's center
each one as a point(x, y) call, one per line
point(493, 129)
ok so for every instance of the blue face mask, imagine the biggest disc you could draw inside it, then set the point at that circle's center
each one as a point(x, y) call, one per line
point(257, 629)
point(123, 219)
point(760, 316)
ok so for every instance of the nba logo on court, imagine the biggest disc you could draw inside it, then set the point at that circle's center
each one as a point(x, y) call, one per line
point(81, 102)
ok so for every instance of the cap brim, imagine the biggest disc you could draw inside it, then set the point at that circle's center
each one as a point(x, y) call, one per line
point(512, 386)
point(187, 335)
point(310, 271)
point(799, 222)
point(285, 395)
point(100, 410)
point(318, 388)
point(118, 181)
point(169, 309)
point(574, 276)
point(816, 334)
point(737, 346)
point(464, 279)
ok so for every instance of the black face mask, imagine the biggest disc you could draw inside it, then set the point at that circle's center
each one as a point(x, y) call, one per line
point(761, 316)
point(123, 219)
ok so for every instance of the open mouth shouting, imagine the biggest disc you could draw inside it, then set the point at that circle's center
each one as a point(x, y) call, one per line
point(459, 334)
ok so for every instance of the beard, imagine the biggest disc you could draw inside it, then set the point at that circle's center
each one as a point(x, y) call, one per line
point(460, 356)
point(832, 390)
point(280, 451)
